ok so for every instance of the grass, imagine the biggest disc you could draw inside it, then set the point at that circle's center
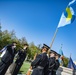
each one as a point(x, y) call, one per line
point(24, 68)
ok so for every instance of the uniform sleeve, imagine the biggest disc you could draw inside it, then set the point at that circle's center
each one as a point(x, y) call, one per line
point(51, 62)
point(57, 64)
point(46, 67)
point(36, 61)
point(9, 48)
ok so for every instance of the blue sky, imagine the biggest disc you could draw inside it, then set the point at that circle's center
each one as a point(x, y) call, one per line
point(37, 21)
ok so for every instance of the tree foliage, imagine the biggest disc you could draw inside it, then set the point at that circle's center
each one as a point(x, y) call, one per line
point(7, 37)
point(65, 61)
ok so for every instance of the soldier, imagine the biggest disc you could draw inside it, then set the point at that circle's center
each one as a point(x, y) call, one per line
point(40, 62)
point(53, 63)
point(21, 57)
point(57, 64)
point(7, 58)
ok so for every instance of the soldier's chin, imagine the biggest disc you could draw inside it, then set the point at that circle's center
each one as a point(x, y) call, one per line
point(26, 48)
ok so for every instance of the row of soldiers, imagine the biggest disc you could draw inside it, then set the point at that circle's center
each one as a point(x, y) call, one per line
point(42, 65)
point(7, 59)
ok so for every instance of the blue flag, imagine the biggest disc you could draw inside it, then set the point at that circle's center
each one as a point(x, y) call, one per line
point(61, 52)
point(71, 64)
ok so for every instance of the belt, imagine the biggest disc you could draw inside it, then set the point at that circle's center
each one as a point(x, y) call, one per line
point(49, 69)
point(54, 70)
point(40, 67)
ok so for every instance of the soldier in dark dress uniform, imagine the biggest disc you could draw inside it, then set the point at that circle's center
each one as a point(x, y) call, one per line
point(53, 63)
point(40, 62)
point(21, 57)
point(57, 64)
point(7, 58)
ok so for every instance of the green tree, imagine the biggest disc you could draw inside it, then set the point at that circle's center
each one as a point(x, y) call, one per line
point(0, 36)
point(7, 37)
point(65, 61)
point(33, 50)
point(23, 40)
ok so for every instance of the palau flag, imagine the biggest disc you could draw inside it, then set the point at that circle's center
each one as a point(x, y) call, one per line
point(61, 52)
point(62, 56)
point(68, 16)
point(71, 64)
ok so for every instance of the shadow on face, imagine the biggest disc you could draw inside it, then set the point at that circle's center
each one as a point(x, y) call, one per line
point(52, 54)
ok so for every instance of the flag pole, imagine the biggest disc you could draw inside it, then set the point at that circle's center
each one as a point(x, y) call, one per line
point(54, 37)
point(70, 54)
